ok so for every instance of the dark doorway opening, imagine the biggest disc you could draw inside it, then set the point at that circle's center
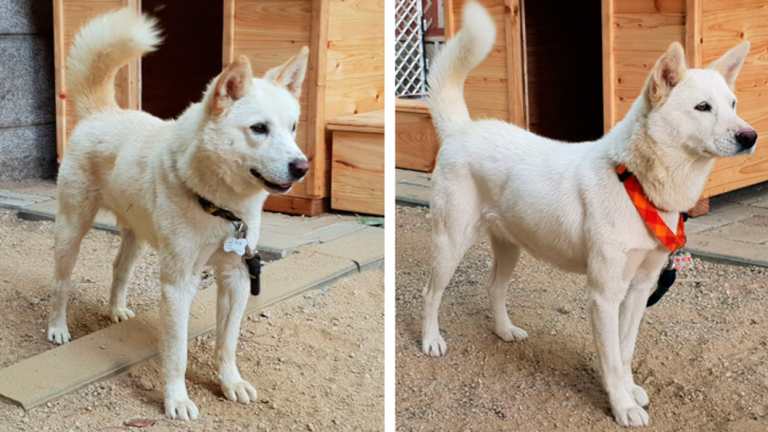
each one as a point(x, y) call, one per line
point(564, 68)
point(190, 56)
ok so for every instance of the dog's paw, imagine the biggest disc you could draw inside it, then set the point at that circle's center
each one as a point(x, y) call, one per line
point(434, 346)
point(58, 335)
point(639, 394)
point(511, 333)
point(241, 391)
point(180, 409)
point(632, 416)
point(121, 314)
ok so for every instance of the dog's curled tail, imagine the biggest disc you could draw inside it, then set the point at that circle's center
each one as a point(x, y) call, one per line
point(100, 49)
point(452, 65)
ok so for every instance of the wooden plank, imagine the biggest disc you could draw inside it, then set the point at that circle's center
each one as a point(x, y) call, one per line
point(59, 61)
point(725, 24)
point(609, 66)
point(515, 66)
point(487, 88)
point(114, 349)
point(228, 34)
point(693, 39)
point(296, 205)
point(357, 173)
point(371, 122)
point(316, 180)
point(416, 143)
point(69, 16)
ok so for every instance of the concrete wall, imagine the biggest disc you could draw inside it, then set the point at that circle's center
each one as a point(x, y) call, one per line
point(27, 108)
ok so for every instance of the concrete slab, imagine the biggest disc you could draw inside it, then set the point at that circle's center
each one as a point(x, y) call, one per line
point(365, 247)
point(742, 232)
point(114, 349)
point(716, 247)
point(412, 188)
point(13, 200)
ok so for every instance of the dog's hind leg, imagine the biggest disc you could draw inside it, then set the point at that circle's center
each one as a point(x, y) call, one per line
point(121, 271)
point(505, 256)
point(73, 219)
point(453, 231)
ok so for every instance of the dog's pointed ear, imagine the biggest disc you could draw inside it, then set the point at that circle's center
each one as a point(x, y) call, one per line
point(232, 84)
point(669, 70)
point(291, 73)
point(729, 65)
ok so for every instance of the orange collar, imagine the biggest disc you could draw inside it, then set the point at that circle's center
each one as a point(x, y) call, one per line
point(650, 214)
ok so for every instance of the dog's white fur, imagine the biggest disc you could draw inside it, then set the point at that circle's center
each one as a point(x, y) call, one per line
point(149, 172)
point(563, 202)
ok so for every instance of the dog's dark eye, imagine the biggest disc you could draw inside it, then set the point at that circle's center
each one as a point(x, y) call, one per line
point(294, 128)
point(260, 128)
point(703, 107)
point(733, 104)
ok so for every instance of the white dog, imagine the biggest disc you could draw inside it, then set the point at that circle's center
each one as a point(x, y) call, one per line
point(232, 149)
point(564, 203)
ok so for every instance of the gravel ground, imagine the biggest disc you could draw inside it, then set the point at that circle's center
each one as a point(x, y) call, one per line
point(316, 359)
point(702, 352)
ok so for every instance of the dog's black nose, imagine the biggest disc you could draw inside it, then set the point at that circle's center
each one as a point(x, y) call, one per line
point(298, 167)
point(746, 138)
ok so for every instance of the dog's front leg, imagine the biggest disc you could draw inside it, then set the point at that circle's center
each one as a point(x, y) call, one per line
point(631, 315)
point(178, 291)
point(233, 291)
point(606, 294)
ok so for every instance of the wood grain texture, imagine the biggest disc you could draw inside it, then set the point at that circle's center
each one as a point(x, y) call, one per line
point(69, 16)
point(416, 143)
point(495, 88)
point(609, 65)
point(358, 172)
point(724, 25)
point(641, 30)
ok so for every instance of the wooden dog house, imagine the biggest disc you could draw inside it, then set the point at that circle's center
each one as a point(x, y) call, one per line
point(570, 70)
point(345, 75)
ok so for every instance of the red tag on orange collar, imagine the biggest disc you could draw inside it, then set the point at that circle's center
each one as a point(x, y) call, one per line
point(650, 214)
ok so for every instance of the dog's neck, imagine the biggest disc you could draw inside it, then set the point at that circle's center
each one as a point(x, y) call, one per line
point(199, 173)
point(672, 179)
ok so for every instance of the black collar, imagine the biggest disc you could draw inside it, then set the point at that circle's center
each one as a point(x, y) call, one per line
point(214, 210)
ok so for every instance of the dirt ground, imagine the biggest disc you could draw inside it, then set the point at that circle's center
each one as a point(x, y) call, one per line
point(702, 353)
point(316, 360)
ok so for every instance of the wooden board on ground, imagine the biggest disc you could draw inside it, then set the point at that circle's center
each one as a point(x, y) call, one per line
point(114, 349)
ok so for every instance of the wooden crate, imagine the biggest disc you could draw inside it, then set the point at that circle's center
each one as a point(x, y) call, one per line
point(358, 163)
point(416, 141)
point(345, 76)
point(636, 33)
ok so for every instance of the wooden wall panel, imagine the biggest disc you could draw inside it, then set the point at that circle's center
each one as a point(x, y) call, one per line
point(725, 23)
point(270, 32)
point(641, 30)
point(69, 16)
point(496, 89)
point(354, 68)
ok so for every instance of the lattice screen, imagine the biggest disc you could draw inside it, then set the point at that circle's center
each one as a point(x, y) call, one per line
point(410, 75)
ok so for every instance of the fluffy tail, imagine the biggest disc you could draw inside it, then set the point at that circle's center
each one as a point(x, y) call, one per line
point(101, 48)
point(456, 60)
